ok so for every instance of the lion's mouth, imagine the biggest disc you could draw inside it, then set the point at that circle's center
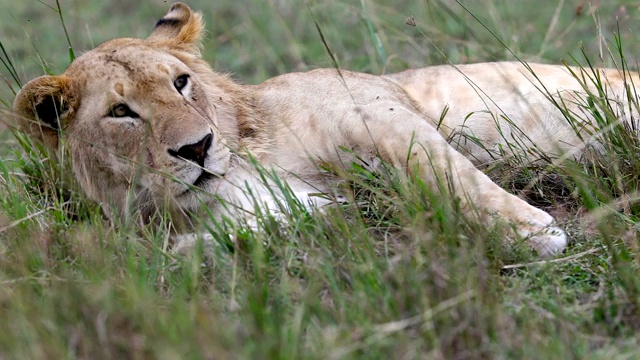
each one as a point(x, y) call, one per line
point(201, 182)
point(203, 179)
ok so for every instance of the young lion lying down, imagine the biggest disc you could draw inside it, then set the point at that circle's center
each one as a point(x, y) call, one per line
point(149, 124)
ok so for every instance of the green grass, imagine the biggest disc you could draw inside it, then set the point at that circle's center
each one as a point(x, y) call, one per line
point(398, 273)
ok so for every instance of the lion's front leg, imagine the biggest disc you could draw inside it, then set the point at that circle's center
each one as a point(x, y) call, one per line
point(408, 141)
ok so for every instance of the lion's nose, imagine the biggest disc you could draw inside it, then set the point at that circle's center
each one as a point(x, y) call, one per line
point(196, 152)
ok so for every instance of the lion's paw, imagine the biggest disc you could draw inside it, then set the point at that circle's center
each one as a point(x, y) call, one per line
point(186, 245)
point(549, 242)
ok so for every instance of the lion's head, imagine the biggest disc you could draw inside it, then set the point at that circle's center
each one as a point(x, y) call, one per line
point(146, 121)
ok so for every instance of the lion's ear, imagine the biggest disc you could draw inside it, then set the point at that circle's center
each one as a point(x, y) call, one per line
point(44, 107)
point(181, 28)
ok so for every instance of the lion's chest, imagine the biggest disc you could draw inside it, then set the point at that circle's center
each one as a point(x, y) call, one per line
point(248, 194)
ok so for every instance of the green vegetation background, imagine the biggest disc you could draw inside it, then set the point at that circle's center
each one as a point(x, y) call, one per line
point(259, 39)
point(402, 279)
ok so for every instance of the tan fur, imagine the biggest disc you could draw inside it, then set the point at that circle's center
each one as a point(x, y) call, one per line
point(292, 123)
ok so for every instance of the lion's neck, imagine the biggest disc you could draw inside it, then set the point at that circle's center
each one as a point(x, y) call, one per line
point(242, 124)
point(237, 116)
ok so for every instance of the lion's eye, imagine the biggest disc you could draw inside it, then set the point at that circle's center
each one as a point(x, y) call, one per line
point(122, 110)
point(181, 82)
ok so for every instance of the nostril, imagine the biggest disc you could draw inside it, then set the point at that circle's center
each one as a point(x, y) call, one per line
point(196, 152)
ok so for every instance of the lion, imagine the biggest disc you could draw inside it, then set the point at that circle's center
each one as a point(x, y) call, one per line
point(149, 125)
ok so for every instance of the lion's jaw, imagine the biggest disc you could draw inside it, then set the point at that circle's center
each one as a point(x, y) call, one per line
point(146, 131)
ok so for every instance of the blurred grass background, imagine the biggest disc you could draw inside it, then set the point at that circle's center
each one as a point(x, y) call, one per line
point(259, 39)
point(403, 278)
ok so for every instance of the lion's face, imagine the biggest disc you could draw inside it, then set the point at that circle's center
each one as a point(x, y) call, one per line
point(137, 120)
point(148, 119)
